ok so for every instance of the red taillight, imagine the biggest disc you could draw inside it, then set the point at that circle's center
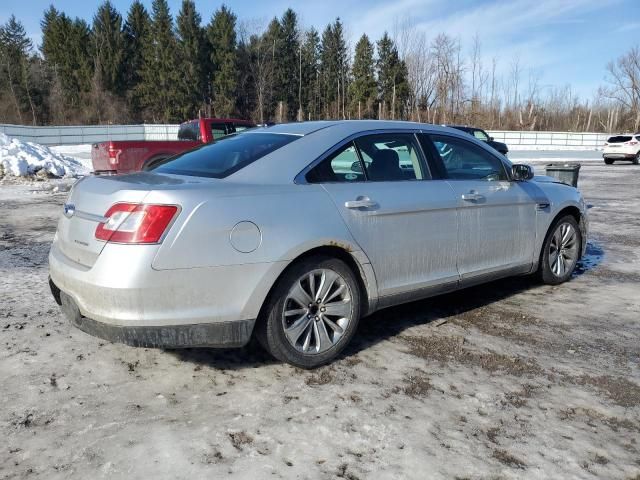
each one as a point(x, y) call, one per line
point(135, 223)
point(114, 155)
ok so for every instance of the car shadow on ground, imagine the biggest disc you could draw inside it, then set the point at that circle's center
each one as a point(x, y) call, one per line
point(392, 321)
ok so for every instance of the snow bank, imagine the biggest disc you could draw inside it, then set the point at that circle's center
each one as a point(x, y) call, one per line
point(20, 159)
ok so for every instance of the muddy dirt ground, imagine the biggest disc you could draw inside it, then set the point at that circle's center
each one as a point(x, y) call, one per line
point(507, 380)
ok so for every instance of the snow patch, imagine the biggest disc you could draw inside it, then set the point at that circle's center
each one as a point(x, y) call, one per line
point(21, 159)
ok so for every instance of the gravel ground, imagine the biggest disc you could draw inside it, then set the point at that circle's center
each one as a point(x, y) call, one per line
point(506, 380)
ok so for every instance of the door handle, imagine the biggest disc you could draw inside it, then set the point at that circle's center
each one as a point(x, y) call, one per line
point(361, 202)
point(472, 197)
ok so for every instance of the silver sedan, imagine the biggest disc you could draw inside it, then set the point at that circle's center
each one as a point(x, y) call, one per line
point(294, 232)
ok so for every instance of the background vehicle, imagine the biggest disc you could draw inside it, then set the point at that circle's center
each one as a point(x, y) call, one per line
point(134, 155)
point(483, 137)
point(622, 147)
point(300, 229)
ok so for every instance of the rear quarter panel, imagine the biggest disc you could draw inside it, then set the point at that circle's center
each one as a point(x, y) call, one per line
point(291, 218)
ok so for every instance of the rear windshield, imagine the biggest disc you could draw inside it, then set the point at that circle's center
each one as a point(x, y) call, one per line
point(619, 139)
point(189, 131)
point(226, 156)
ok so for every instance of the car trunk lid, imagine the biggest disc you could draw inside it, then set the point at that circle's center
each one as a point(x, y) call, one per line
point(89, 200)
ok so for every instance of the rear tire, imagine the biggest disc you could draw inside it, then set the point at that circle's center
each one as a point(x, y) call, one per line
point(608, 161)
point(312, 312)
point(636, 159)
point(560, 251)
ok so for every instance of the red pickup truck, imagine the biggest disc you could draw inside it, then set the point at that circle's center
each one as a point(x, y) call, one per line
point(134, 155)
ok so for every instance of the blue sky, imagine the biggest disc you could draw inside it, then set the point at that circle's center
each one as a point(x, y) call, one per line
point(560, 41)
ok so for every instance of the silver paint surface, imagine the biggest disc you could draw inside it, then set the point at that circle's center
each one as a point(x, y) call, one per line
point(418, 237)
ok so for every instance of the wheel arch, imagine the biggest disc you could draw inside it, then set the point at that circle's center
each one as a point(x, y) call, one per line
point(156, 158)
point(363, 273)
point(573, 211)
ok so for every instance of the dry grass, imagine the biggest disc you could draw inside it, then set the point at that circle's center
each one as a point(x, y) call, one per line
point(620, 391)
point(451, 349)
point(505, 457)
point(239, 439)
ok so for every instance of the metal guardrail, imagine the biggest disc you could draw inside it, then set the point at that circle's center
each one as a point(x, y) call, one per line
point(70, 135)
point(550, 140)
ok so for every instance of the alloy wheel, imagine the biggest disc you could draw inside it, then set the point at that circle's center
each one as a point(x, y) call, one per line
point(563, 250)
point(317, 311)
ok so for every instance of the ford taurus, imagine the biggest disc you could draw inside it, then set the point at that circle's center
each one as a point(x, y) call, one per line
point(294, 232)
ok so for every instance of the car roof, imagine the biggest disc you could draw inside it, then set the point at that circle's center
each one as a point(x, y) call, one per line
point(463, 127)
point(347, 127)
point(316, 138)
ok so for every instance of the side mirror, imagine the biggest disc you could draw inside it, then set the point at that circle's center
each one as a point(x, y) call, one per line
point(521, 172)
point(491, 139)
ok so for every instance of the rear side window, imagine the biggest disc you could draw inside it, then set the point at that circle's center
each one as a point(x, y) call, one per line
point(377, 158)
point(221, 159)
point(480, 135)
point(390, 157)
point(463, 160)
point(239, 127)
point(619, 139)
point(341, 166)
point(189, 131)
point(218, 130)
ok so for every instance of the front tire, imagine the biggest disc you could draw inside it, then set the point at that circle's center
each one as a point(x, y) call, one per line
point(312, 312)
point(561, 251)
point(636, 159)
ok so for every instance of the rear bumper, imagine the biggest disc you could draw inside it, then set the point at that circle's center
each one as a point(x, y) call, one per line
point(619, 156)
point(122, 298)
point(212, 335)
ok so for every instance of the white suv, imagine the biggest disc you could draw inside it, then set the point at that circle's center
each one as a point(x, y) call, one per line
point(622, 147)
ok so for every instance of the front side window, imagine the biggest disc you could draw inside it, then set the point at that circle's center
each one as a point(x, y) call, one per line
point(390, 157)
point(464, 161)
point(342, 166)
point(221, 159)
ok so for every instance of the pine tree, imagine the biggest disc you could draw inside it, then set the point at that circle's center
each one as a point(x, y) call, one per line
point(392, 77)
point(15, 52)
point(109, 48)
point(334, 70)
point(159, 88)
point(193, 59)
point(272, 40)
point(222, 37)
point(363, 89)
point(136, 35)
point(311, 74)
point(65, 47)
point(288, 64)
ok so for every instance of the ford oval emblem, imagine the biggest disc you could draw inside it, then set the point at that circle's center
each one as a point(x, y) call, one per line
point(69, 210)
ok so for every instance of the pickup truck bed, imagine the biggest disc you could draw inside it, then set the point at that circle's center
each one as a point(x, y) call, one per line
point(128, 156)
point(132, 156)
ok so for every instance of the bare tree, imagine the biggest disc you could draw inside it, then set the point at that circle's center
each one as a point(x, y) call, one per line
point(624, 85)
